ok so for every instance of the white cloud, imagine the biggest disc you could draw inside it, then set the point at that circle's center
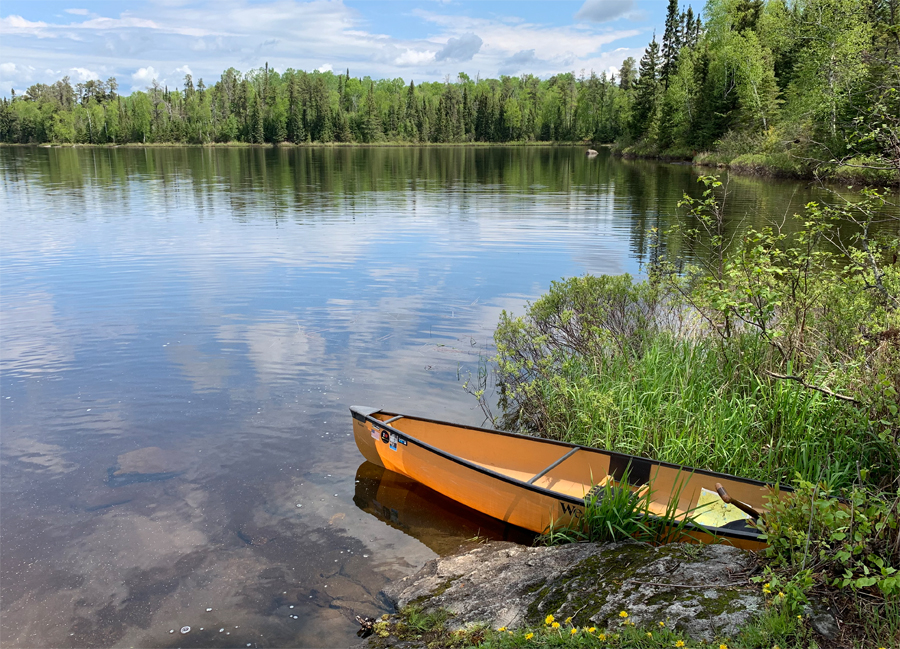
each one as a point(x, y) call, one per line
point(77, 12)
point(601, 11)
point(145, 75)
point(83, 74)
point(17, 25)
point(12, 73)
point(183, 70)
point(414, 57)
point(325, 68)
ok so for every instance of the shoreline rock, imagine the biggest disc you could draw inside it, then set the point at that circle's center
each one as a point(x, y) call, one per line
point(704, 590)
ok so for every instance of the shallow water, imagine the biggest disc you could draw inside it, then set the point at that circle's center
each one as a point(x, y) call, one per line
point(183, 331)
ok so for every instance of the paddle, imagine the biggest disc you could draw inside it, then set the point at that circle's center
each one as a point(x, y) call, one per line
point(744, 507)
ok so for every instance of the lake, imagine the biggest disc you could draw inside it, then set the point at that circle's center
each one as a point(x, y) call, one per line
point(184, 329)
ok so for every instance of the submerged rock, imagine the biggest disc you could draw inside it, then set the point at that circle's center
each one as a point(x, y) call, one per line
point(702, 590)
point(147, 464)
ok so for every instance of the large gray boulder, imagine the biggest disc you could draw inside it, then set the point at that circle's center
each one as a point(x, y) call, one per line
point(703, 590)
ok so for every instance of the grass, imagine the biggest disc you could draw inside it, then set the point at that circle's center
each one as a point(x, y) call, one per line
point(615, 514)
point(768, 164)
point(563, 634)
point(680, 402)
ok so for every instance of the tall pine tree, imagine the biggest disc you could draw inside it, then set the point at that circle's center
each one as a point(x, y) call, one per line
point(646, 91)
point(671, 42)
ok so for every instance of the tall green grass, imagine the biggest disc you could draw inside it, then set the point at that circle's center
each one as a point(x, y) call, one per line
point(680, 402)
point(615, 513)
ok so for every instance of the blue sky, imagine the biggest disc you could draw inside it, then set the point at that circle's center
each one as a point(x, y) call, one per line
point(41, 41)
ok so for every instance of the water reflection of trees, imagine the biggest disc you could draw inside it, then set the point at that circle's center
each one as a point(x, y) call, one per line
point(318, 183)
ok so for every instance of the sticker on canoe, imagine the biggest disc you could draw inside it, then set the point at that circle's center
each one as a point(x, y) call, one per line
point(376, 432)
point(569, 509)
point(393, 439)
point(714, 512)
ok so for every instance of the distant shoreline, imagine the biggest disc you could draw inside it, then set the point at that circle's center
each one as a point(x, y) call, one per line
point(305, 145)
point(749, 165)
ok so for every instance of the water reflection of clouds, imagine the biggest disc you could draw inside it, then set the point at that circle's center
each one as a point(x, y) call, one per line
point(39, 456)
point(206, 372)
point(277, 350)
point(33, 342)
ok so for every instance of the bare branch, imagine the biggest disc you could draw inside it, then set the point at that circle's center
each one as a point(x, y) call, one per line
point(842, 397)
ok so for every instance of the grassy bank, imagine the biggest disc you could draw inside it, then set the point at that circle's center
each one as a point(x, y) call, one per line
point(773, 355)
point(779, 628)
point(775, 164)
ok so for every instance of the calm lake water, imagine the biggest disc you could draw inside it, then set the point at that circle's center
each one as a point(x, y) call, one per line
point(183, 331)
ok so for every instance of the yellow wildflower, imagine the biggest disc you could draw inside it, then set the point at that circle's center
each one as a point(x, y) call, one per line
point(555, 625)
point(549, 619)
point(510, 632)
point(780, 595)
point(723, 646)
point(573, 631)
point(767, 589)
point(502, 628)
point(649, 635)
point(568, 619)
point(680, 643)
point(529, 636)
point(623, 614)
point(592, 629)
point(601, 637)
point(662, 624)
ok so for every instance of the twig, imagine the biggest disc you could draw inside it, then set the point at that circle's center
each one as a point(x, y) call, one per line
point(653, 583)
point(817, 388)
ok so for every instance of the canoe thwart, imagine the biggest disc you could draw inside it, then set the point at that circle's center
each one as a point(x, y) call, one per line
point(554, 465)
point(388, 421)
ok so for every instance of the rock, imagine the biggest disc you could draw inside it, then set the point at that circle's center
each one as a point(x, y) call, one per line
point(693, 588)
point(590, 153)
point(822, 621)
point(149, 464)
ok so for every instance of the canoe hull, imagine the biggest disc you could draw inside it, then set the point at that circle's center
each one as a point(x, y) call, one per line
point(475, 485)
point(476, 489)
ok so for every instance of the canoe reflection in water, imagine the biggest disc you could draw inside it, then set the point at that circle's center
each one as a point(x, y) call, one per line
point(438, 522)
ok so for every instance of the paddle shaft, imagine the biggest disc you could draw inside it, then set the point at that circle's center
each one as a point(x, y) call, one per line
point(744, 507)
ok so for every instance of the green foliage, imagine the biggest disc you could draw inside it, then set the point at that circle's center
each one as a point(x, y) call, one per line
point(851, 543)
point(740, 354)
point(263, 106)
point(418, 621)
point(809, 87)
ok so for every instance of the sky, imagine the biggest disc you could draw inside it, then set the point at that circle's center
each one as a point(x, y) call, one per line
point(422, 40)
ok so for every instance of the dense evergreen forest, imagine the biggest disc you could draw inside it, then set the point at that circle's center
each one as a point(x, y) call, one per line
point(781, 83)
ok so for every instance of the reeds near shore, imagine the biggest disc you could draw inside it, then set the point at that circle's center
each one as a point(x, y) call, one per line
point(682, 402)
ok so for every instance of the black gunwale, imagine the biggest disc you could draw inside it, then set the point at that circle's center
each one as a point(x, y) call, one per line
point(717, 531)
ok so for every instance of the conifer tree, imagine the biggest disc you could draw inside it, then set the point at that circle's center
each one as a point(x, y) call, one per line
point(646, 91)
point(671, 42)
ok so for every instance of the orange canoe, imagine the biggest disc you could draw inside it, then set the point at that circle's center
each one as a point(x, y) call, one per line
point(532, 482)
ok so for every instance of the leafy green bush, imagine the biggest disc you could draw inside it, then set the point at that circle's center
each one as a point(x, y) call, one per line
point(850, 544)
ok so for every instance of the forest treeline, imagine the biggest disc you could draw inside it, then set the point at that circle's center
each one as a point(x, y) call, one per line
point(798, 81)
